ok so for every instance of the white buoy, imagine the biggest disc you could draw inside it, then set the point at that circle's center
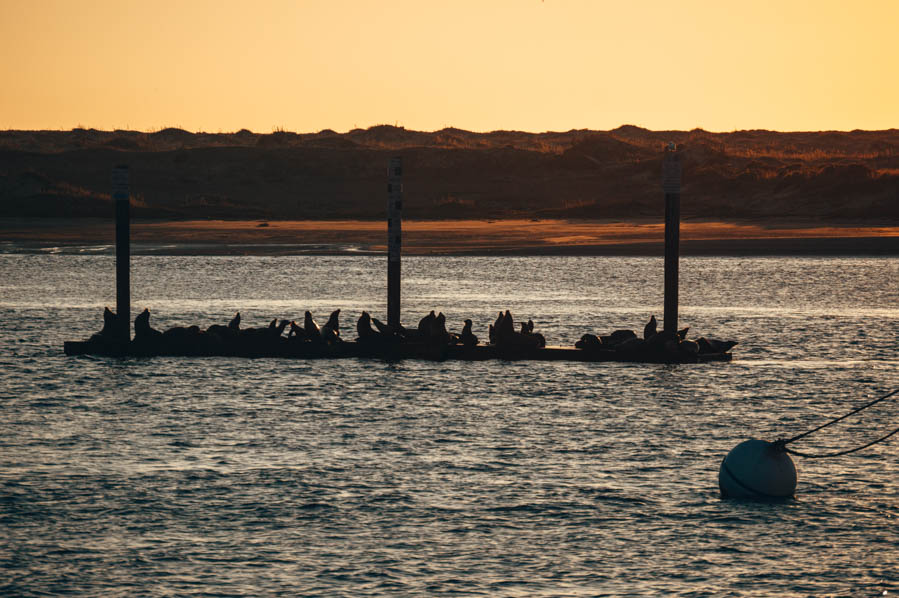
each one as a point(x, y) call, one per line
point(757, 469)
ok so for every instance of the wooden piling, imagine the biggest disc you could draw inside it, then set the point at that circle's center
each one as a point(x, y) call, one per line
point(671, 182)
point(394, 239)
point(121, 196)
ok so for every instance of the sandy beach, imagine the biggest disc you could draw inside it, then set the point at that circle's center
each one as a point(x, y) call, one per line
point(455, 237)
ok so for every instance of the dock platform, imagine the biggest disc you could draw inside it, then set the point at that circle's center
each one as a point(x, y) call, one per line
point(353, 349)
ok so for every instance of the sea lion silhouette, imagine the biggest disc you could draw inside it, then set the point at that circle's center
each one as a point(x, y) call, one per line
point(506, 327)
point(688, 346)
point(313, 332)
point(467, 337)
point(143, 332)
point(589, 341)
point(331, 330)
point(425, 325)
point(650, 329)
point(381, 326)
point(363, 326)
point(110, 324)
point(296, 331)
point(506, 335)
point(710, 345)
point(439, 333)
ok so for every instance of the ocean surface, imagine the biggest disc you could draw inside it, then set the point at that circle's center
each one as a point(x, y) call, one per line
point(272, 477)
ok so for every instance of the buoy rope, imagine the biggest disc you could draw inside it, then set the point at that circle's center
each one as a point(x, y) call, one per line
point(873, 442)
point(782, 443)
point(842, 417)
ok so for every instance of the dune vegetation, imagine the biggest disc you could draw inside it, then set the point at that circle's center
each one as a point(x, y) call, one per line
point(760, 176)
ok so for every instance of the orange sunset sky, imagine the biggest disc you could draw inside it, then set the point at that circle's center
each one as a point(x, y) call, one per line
point(480, 65)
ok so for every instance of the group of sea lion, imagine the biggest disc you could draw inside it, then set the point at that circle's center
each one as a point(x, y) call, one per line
point(654, 342)
point(502, 333)
point(431, 332)
point(231, 338)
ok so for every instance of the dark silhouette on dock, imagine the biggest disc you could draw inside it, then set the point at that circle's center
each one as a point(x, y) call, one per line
point(429, 340)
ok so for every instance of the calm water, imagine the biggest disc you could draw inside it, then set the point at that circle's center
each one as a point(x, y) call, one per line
point(213, 476)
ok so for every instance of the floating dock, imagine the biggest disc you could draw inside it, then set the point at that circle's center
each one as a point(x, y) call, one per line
point(353, 349)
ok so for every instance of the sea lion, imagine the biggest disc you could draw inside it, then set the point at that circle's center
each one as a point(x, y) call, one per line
point(143, 332)
point(496, 323)
point(506, 335)
point(726, 346)
point(709, 345)
point(491, 334)
point(425, 324)
point(363, 326)
point(438, 325)
point(225, 333)
point(467, 338)
point(682, 334)
point(183, 340)
point(331, 330)
point(538, 338)
point(272, 331)
point(650, 329)
point(588, 342)
point(110, 319)
point(381, 326)
point(688, 346)
point(524, 328)
point(181, 331)
point(617, 337)
point(296, 331)
point(659, 342)
point(528, 330)
point(110, 325)
point(334, 320)
point(507, 326)
point(261, 341)
point(313, 332)
point(329, 335)
point(439, 333)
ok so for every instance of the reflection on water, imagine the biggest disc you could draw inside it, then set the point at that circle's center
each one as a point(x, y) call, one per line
point(171, 476)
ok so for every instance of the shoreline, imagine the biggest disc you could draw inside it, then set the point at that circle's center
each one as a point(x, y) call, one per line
point(445, 237)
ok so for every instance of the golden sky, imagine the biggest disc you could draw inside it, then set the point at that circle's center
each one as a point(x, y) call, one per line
point(480, 65)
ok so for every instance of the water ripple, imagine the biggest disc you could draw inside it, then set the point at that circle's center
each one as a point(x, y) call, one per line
point(213, 476)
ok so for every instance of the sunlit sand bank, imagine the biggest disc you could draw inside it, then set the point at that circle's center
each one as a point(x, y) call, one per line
point(455, 237)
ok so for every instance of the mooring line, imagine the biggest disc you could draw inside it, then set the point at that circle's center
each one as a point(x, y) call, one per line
point(841, 418)
point(783, 443)
point(872, 443)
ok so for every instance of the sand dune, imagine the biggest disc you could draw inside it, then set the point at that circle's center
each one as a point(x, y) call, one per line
point(753, 176)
